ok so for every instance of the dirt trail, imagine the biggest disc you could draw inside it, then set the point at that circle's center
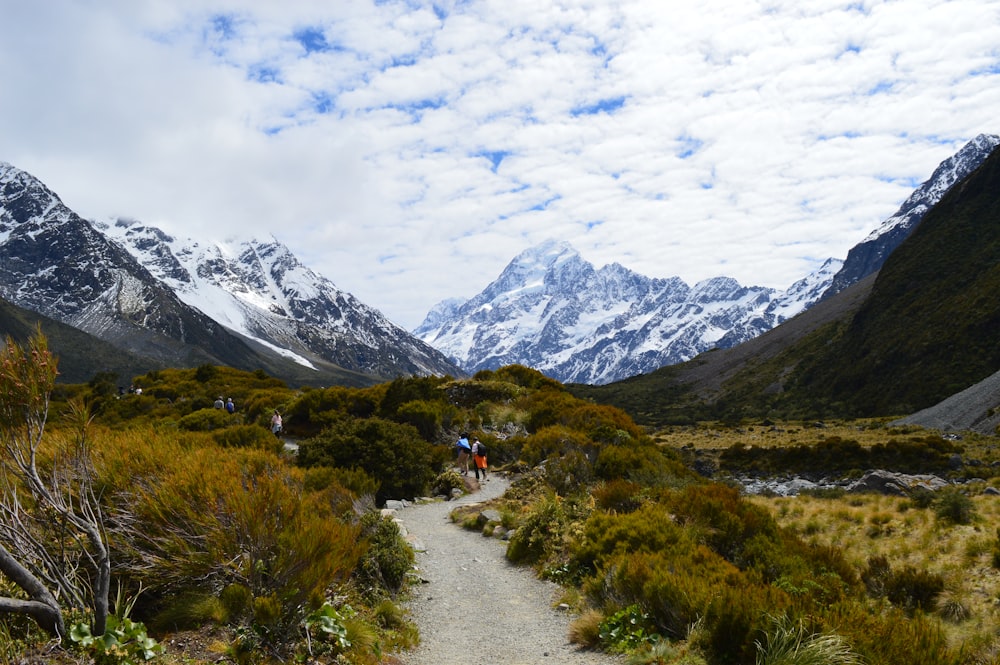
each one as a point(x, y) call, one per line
point(476, 608)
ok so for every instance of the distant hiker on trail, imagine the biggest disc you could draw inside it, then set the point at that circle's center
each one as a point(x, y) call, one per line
point(219, 403)
point(464, 449)
point(479, 458)
point(276, 423)
point(230, 407)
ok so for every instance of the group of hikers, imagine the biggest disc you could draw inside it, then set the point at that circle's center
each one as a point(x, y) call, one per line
point(476, 450)
point(227, 405)
point(230, 407)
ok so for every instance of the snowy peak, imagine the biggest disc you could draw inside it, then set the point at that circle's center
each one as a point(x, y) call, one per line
point(868, 256)
point(260, 290)
point(554, 311)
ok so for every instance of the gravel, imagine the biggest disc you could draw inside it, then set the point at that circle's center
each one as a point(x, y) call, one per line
point(476, 608)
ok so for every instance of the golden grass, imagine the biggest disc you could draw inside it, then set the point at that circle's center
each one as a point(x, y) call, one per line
point(870, 525)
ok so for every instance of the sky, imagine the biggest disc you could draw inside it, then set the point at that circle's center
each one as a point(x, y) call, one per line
point(408, 150)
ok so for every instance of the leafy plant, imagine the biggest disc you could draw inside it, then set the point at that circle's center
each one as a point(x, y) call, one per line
point(328, 625)
point(125, 642)
point(626, 630)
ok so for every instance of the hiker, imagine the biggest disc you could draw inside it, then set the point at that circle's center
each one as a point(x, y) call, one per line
point(218, 402)
point(479, 458)
point(276, 423)
point(464, 449)
point(230, 407)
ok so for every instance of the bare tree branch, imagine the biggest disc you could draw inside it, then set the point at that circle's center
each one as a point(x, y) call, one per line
point(47, 545)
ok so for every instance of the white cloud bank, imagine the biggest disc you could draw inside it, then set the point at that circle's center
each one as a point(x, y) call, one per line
point(408, 150)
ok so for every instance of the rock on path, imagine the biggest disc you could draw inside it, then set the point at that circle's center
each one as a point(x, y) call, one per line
point(476, 608)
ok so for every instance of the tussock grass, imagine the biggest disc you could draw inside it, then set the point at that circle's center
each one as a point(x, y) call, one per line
point(869, 525)
point(954, 538)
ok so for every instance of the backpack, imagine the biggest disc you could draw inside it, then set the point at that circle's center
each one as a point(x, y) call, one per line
point(481, 450)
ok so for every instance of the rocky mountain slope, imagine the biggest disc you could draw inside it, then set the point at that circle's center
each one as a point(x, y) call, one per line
point(259, 289)
point(868, 256)
point(178, 304)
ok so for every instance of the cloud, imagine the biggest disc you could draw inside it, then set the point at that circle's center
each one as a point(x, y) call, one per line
point(408, 150)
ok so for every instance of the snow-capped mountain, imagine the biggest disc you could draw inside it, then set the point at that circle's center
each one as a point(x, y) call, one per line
point(252, 305)
point(260, 290)
point(869, 255)
point(55, 263)
point(551, 310)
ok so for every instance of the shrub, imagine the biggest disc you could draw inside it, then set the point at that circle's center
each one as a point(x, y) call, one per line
point(424, 416)
point(554, 441)
point(447, 481)
point(388, 557)
point(726, 521)
point(205, 420)
point(247, 436)
point(954, 506)
point(642, 463)
point(602, 423)
point(568, 473)
point(358, 482)
point(219, 516)
point(534, 538)
point(647, 530)
point(914, 589)
point(394, 454)
point(890, 636)
point(618, 496)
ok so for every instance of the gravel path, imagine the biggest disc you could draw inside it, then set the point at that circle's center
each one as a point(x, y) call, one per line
point(476, 608)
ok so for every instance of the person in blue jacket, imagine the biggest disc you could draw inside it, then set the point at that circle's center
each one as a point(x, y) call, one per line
point(464, 449)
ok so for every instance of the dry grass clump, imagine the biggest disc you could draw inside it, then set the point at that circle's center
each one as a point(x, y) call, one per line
point(913, 540)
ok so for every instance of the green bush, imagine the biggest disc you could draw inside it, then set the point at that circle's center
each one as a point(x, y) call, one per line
point(618, 495)
point(642, 463)
point(535, 537)
point(247, 436)
point(392, 453)
point(568, 473)
point(726, 521)
point(954, 506)
point(387, 559)
point(425, 416)
point(320, 478)
point(554, 441)
point(205, 420)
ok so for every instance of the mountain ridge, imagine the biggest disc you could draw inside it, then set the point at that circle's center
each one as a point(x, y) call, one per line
point(55, 263)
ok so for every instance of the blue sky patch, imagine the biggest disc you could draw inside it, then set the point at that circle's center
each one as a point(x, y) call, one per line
point(264, 74)
point(494, 157)
point(312, 39)
point(689, 145)
point(224, 25)
point(881, 87)
point(609, 105)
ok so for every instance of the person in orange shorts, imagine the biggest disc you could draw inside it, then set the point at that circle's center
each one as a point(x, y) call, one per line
point(479, 458)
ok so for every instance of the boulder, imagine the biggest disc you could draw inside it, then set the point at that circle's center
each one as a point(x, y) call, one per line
point(898, 484)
